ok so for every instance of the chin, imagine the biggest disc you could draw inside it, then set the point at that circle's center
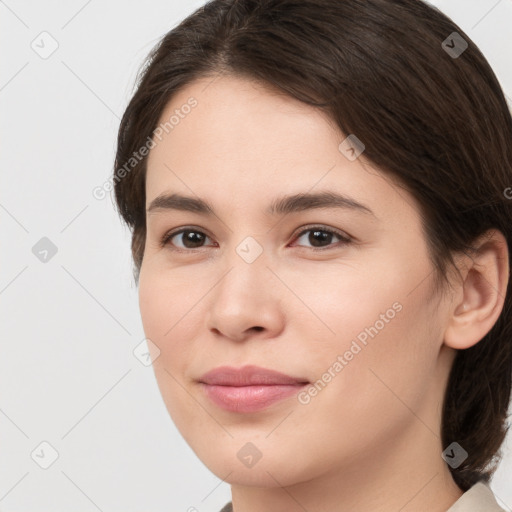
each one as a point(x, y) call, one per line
point(230, 460)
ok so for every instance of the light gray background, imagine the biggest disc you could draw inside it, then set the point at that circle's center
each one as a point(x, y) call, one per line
point(69, 326)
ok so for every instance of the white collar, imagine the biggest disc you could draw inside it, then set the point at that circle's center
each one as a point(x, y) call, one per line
point(478, 498)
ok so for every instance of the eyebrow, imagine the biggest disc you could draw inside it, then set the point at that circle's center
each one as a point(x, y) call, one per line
point(279, 206)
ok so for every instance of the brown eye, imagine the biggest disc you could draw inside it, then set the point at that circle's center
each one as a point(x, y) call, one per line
point(190, 239)
point(321, 237)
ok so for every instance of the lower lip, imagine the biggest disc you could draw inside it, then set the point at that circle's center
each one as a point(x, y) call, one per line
point(249, 398)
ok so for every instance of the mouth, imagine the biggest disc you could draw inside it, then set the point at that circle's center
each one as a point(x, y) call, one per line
point(250, 388)
point(249, 398)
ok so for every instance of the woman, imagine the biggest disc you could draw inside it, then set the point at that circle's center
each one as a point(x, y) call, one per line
point(319, 194)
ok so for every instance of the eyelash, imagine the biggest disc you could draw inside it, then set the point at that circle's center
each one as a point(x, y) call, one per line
point(344, 239)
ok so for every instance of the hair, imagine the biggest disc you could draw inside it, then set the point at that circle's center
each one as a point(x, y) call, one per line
point(438, 124)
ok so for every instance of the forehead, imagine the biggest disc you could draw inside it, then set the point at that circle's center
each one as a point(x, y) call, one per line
point(234, 116)
point(238, 120)
point(242, 140)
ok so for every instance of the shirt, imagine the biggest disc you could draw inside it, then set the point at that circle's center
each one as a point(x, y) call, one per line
point(478, 498)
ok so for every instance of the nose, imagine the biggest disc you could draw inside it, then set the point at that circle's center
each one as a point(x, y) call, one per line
point(246, 302)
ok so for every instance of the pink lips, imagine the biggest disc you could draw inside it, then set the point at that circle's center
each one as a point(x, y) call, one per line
point(248, 389)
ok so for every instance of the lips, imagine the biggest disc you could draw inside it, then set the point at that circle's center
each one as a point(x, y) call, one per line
point(248, 375)
point(248, 389)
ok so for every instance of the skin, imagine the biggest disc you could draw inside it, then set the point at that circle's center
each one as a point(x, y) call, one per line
point(370, 439)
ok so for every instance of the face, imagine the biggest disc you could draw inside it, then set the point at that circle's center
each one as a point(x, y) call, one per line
point(338, 295)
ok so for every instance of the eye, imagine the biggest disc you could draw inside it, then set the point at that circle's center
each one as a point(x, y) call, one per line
point(320, 235)
point(192, 238)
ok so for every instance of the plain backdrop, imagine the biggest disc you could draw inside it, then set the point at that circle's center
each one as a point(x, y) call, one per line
point(73, 395)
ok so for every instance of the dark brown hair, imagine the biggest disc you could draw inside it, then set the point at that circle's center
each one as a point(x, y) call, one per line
point(435, 121)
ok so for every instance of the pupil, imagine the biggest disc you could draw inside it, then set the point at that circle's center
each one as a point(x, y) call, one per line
point(322, 235)
point(192, 237)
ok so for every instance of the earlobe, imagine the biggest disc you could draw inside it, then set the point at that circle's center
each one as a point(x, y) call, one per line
point(482, 293)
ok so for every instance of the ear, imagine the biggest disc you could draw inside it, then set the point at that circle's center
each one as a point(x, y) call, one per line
point(479, 300)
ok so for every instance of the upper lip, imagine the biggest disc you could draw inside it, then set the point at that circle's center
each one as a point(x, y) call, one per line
point(248, 375)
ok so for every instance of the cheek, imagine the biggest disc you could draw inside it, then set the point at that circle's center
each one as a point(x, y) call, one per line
point(387, 344)
point(166, 298)
point(154, 302)
point(366, 399)
point(172, 307)
point(340, 302)
point(163, 308)
point(380, 322)
point(164, 317)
